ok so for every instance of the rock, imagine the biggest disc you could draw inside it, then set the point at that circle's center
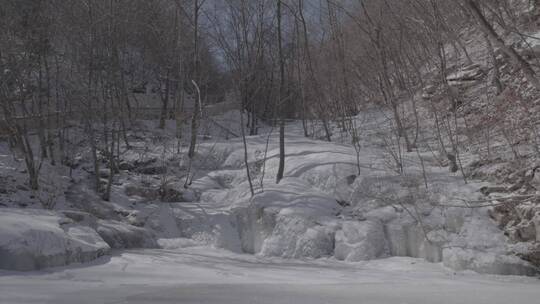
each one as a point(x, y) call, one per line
point(343, 203)
point(81, 217)
point(453, 163)
point(486, 190)
point(33, 239)
point(502, 213)
point(359, 241)
point(351, 179)
point(526, 231)
point(22, 187)
point(104, 173)
point(144, 192)
point(120, 235)
point(170, 195)
point(152, 170)
point(136, 219)
point(144, 163)
point(126, 166)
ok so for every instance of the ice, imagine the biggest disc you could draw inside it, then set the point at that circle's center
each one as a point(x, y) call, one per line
point(359, 241)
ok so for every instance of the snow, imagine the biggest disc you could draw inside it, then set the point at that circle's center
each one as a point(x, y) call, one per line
point(34, 239)
point(325, 234)
point(319, 211)
point(204, 275)
point(322, 208)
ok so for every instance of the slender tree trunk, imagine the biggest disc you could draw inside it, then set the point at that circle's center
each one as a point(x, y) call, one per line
point(281, 106)
point(195, 80)
point(165, 102)
point(246, 162)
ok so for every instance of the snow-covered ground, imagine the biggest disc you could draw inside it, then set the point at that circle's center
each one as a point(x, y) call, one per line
point(203, 275)
point(324, 234)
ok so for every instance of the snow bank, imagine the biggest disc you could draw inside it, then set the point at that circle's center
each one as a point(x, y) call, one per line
point(33, 239)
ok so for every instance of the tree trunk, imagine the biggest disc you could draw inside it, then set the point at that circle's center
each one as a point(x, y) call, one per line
point(281, 167)
point(197, 102)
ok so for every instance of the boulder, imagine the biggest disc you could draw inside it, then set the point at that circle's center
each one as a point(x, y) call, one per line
point(119, 235)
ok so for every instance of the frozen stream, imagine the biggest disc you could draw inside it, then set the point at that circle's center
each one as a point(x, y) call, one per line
point(204, 275)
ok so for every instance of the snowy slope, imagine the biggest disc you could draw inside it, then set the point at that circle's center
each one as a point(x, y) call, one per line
point(322, 208)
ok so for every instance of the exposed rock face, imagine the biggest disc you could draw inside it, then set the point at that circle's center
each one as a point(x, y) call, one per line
point(36, 239)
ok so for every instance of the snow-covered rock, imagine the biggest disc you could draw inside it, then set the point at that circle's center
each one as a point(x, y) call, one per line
point(121, 235)
point(486, 262)
point(32, 239)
